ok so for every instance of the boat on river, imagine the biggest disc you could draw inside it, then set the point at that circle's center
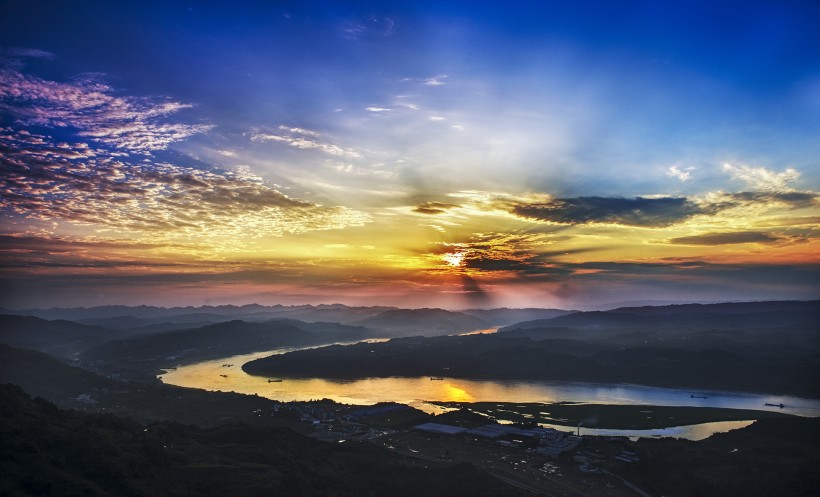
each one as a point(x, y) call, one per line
point(270, 380)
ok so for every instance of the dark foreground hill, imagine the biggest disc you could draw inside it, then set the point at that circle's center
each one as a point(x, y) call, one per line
point(770, 458)
point(48, 451)
point(72, 387)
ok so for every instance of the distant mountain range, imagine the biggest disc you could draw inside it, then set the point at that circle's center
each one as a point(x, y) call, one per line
point(149, 319)
point(675, 319)
point(428, 322)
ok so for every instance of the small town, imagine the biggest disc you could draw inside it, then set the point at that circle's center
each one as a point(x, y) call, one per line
point(541, 460)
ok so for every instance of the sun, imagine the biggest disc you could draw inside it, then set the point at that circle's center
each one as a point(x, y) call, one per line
point(453, 258)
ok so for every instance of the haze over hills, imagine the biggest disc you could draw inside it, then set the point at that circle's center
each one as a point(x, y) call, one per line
point(146, 352)
point(142, 339)
point(60, 338)
point(506, 316)
point(426, 322)
point(142, 319)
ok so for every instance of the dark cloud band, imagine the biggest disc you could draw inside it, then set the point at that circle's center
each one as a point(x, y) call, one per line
point(638, 211)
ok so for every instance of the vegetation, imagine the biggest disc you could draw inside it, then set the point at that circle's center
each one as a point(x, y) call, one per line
point(613, 417)
point(48, 451)
point(771, 458)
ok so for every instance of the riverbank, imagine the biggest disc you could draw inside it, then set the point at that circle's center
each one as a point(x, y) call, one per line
point(607, 416)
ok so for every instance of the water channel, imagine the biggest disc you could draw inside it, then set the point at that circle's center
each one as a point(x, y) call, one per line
point(225, 374)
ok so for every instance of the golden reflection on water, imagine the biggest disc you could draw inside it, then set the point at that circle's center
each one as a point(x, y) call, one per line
point(456, 394)
point(487, 331)
point(689, 432)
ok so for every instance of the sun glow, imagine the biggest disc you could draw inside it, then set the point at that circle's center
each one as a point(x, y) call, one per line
point(453, 258)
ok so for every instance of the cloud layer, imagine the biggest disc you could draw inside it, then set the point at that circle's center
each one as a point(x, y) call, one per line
point(638, 211)
point(74, 182)
point(708, 239)
point(97, 182)
point(132, 124)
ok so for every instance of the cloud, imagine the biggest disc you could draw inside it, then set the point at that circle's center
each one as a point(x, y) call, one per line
point(710, 239)
point(760, 178)
point(378, 109)
point(520, 253)
point(438, 118)
point(300, 131)
point(684, 175)
point(791, 199)
point(436, 80)
point(44, 180)
point(637, 211)
point(34, 53)
point(304, 143)
point(34, 251)
point(433, 207)
point(375, 25)
point(645, 212)
point(132, 124)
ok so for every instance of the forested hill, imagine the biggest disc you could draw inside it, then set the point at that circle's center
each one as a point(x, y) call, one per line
point(48, 451)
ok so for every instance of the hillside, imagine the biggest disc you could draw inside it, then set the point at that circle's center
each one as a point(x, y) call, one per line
point(72, 387)
point(145, 354)
point(749, 318)
point(724, 308)
point(59, 338)
point(48, 451)
point(770, 458)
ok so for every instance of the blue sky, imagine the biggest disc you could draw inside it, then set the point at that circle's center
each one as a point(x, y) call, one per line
point(372, 112)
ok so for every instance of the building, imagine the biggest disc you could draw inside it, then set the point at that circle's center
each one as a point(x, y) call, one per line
point(440, 429)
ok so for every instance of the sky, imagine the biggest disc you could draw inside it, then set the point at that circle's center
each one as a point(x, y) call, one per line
point(415, 154)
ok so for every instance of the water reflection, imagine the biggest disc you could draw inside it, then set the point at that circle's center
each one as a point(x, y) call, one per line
point(456, 394)
point(690, 432)
point(213, 375)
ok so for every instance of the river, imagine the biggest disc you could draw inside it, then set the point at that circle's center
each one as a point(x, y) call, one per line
point(418, 392)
